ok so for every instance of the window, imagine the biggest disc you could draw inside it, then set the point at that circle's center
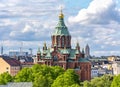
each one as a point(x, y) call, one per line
point(55, 58)
point(64, 58)
point(62, 41)
point(7, 68)
point(58, 41)
point(68, 40)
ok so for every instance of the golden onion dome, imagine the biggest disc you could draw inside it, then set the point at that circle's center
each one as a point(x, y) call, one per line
point(61, 15)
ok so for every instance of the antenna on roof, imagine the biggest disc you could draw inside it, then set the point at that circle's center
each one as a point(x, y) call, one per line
point(21, 47)
point(2, 48)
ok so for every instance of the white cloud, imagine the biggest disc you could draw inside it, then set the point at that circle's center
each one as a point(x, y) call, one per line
point(98, 12)
point(28, 18)
point(106, 53)
point(33, 21)
point(27, 28)
point(98, 25)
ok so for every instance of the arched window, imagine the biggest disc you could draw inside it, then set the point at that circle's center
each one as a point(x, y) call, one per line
point(55, 58)
point(67, 40)
point(58, 41)
point(53, 40)
point(63, 41)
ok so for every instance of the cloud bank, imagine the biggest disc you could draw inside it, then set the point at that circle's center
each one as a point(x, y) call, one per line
point(98, 25)
point(32, 22)
point(98, 12)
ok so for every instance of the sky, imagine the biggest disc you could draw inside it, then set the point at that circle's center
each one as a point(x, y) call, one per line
point(30, 23)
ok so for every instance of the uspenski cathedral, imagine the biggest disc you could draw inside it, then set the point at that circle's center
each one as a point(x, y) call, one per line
point(62, 54)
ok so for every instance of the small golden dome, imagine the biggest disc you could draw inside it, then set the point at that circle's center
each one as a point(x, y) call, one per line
point(61, 15)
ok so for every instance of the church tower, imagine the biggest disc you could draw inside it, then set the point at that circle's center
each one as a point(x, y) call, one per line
point(61, 37)
point(87, 51)
point(62, 54)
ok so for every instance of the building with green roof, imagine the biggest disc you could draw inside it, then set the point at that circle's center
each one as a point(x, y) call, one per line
point(61, 53)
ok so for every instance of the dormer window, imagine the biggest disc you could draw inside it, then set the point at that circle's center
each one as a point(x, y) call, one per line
point(62, 41)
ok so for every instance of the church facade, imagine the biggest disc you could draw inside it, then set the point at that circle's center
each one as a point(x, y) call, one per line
point(61, 53)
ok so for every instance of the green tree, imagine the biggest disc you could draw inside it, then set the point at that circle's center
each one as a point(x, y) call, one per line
point(5, 78)
point(40, 81)
point(36, 68)
point(75, 85)
point(45, 73)
point(116, 81)
point(103, 81)
point(43, 81)
point(56, 71)
point(67, 79)
point(43, 69)
point(107, 80)
point(25, 75)
point(86, 84)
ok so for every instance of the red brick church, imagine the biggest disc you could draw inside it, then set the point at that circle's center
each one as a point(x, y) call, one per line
point(62, 54)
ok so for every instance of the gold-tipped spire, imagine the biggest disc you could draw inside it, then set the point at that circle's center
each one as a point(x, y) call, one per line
point(44, 47)
point(77, 44)
point(61, 15)
point(38, 51)
point(44, 44)
point(48, 47)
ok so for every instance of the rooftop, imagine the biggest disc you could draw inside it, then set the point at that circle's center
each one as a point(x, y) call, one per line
point(11, 61)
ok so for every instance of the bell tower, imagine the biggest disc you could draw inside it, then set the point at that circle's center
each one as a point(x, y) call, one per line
point(61, 37)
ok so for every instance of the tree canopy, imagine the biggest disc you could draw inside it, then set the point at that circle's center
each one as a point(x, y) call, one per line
point(25, 75)
point(116, 81)
point(103, 81)
point(5, 78)
point(40, 75)
point(55, 76)
point(69, 78)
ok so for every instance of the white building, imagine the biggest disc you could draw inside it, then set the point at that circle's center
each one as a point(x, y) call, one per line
point(94, 72)
point(116, 67)
point(102, 71)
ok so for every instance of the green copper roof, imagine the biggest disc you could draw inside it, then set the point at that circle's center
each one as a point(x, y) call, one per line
point(70, 60)
point(48, 54)
point(47, 51)
point(65, 51)
point(77, 51)
point(72, 53)
point(44, 51)
point(61, 28)
point(83, 60)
